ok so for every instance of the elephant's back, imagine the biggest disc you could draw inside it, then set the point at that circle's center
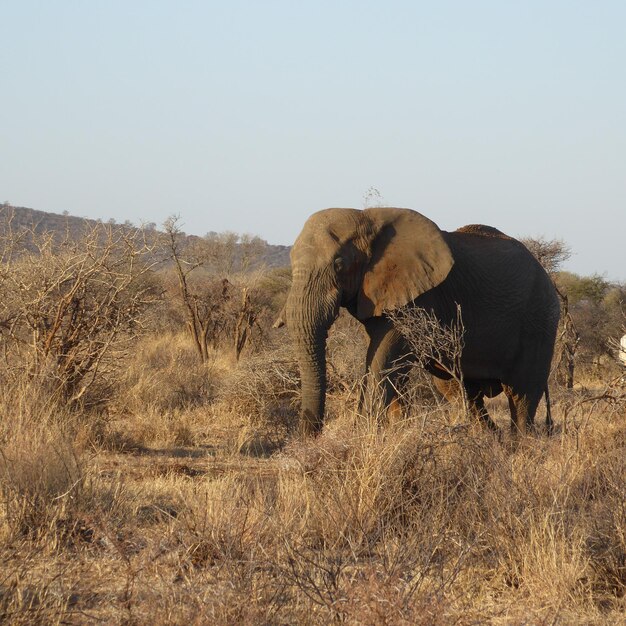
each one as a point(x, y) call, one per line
point(482, 230)
point(486, 259)
point(504, 293)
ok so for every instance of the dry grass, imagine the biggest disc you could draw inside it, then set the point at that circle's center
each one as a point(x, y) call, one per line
point(165, 374)
point(209, 510)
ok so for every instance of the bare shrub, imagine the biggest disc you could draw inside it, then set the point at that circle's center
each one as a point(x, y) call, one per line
point(433, 344)
point(430, 340)
point(566, 345)
point(202, 308)
point(72, 307)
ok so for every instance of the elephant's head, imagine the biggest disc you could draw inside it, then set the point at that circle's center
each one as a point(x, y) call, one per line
point(369, 261)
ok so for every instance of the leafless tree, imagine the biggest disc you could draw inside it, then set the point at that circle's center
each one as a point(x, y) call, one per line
point(209, 298)
point(200, 308)
point(551, 253)
point(251, 250)
point(227, 253)
point(220, 252)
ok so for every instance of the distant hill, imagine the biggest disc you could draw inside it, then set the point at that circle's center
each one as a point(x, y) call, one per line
point(41, 221)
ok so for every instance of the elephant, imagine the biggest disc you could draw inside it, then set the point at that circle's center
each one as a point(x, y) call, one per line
point(379, 260)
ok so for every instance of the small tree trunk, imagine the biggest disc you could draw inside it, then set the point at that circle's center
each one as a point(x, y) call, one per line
point(569, 340)
point(245, 320)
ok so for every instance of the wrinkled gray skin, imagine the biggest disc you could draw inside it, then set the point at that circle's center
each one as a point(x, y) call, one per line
point(377, 260)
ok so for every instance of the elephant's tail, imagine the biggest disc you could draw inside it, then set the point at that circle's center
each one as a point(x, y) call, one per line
point(549, 422)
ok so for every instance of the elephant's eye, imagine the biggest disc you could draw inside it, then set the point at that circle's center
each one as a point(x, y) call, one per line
point(338, 263)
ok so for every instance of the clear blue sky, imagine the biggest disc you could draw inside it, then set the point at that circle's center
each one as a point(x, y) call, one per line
point(249, 116)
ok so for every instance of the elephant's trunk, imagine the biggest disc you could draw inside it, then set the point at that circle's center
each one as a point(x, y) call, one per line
point(309, 316)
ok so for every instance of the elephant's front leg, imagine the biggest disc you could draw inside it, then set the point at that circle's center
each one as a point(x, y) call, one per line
point(476, 398)
point(387, 365)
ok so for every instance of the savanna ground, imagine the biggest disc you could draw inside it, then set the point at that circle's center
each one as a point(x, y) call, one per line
point(188, 498)
point(196, 504)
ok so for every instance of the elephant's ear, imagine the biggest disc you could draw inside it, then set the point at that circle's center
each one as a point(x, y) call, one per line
point(409, 257)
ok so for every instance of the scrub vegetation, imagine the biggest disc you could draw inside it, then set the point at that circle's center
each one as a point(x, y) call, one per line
point(151, 470)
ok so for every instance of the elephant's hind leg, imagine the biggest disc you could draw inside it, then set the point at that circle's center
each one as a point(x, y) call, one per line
point(475, 392)
point(523, 407)
point(549, 421)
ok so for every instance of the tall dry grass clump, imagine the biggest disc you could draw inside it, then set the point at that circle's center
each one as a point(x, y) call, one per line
point(164, 373)
point(54, 503)
point(165, 396)
point(39, 464)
